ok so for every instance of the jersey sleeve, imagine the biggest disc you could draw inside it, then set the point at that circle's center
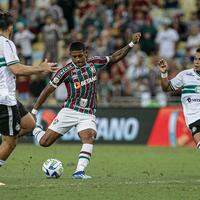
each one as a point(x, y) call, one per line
point(176, 82)
point(10, 53)
point(99, 61)
point(59, 77)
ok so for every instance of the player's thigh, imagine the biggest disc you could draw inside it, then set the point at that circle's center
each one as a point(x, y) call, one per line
point(86, 122)
point(64, 121)
point(27, 122)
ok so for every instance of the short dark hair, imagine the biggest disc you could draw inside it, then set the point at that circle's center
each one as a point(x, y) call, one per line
point(77, 46)
point(6, 20)
point(198, 50)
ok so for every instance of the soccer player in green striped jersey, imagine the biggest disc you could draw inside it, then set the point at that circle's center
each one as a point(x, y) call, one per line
point(188, 81)
point(79, 77)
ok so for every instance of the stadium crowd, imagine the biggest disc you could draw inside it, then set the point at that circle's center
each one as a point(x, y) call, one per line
point(44, 29)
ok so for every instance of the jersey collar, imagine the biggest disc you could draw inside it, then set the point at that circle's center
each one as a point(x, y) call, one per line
point(77, 66)
point(197, 72)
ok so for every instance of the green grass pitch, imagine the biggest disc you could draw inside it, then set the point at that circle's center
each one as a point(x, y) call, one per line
point(119, 172)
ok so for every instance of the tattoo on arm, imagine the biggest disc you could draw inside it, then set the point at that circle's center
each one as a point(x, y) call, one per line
point(120, 54)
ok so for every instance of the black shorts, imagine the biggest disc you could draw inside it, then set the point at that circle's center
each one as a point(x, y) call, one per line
point(195, 127)
point(22, 109)
point(9, 120)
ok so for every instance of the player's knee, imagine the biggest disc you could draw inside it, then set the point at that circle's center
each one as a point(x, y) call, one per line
point(89, 137)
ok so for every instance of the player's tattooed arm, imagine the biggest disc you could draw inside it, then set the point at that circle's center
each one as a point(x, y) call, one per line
point(120, 54)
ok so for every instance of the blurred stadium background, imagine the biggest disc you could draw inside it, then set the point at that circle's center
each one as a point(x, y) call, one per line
point(131, 104)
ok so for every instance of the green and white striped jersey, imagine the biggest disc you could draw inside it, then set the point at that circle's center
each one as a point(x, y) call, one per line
point(80, 83)
point(189, 83)
point(8, 56)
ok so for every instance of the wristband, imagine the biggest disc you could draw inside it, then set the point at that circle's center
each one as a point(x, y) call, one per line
point(164, 75)
point(34, 111)
point(131, 44)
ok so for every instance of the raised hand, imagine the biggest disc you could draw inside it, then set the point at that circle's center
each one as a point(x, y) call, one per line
point(163, 66)
point(49, 67)
point(136, 37)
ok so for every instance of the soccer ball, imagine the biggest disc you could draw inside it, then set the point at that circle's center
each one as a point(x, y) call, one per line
point(52, 168)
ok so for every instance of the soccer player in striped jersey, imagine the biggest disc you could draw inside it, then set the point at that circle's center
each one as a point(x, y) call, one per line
point(14, 119)
point(188, 81)
point(79, 77)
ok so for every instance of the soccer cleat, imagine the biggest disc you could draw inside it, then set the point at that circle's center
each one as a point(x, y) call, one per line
point(80, 175)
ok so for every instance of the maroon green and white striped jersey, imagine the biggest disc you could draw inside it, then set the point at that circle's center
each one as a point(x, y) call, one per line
point(80, 83)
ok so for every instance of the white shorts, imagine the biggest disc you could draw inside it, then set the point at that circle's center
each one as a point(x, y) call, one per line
point(67, 118)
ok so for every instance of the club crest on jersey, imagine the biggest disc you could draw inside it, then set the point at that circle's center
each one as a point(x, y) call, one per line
point(83, 102)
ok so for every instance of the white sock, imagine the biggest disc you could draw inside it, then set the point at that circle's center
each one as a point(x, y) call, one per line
point(2, 162)
point(198, 145)
point(84, 157)
point(38, 133)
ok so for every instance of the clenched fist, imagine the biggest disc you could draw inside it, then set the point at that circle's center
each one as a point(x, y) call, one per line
point(136, 37)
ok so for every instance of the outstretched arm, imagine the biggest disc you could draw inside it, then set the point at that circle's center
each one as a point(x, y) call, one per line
point(42, 98)
point(120, 54)
point(20, 69)
point(165, 84)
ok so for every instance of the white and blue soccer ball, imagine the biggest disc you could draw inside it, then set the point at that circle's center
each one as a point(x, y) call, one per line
point(52, 168)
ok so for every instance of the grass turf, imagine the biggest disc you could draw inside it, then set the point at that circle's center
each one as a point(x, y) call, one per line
point(119, 172)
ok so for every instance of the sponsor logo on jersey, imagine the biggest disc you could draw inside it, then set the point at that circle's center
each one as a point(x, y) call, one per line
point(190, 74)
point(77, 85)
point(190, 100)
